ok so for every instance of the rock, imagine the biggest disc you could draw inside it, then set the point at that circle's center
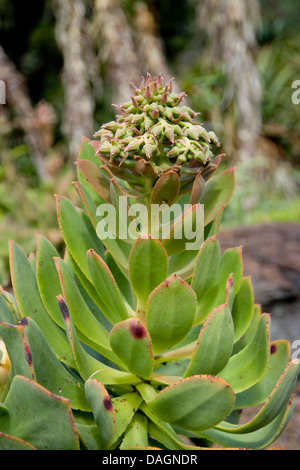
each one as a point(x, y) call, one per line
point(271, 255)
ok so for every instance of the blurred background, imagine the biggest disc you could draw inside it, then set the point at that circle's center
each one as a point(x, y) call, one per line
point(65, 61)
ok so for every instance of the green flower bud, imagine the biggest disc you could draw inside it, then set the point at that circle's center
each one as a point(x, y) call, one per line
point(105, 147)
point(112, 126)
point(214, 138)
point(134, 145)
point(154, 126)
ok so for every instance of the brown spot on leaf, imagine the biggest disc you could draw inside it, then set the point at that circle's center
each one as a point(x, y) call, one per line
point(273, 348)
point(107, 403)
point(28, 354)
point(137, 330)
point(63, 307)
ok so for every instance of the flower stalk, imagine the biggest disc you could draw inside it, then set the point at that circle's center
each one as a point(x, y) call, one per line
point(152, 340)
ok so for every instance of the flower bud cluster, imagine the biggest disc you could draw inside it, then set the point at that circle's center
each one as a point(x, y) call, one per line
point(153, 125)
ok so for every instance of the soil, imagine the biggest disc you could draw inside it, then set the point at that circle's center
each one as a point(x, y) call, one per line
point(271, 256)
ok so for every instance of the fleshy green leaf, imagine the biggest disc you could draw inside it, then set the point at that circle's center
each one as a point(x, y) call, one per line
point(170, 313)
point(86, 152)
point(39, 417)
point(214, 345)
point(88, 202)
point(32, 357)
point(136, 434)
point(77, 237)
point(260, 392)
point(148, 267)
point(169, 440)
point(230, 292)
point(166, 189)
point(88, 365)
point(96, 177)
point(197, 189)
point(13, 443)
point(12, 336)
point(102, 408)
point(183, 264)
point(112, 303)
point(11, 303)
point(251, 330)
point(124, 224)
point(47, 278)
point(125, 406)
point(164, 433)
point(121, 280)
point(31, 305)
point(5, 311)
point(276, 402)
point(48, 370)
point(247, 367)
point(88, 431)
point(90, 329)
point(131, 342)
point(87, 286)
point(119, 249)
point(217, 192)
point(186, 233)
point(171, 372)
point(206, 266)
point(195, 403)
point(242, 308)
point(231, 264)
point(160, 430)
point(255, 440)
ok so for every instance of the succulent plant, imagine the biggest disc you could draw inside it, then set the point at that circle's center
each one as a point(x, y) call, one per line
point(154, 134)
point(137, 342)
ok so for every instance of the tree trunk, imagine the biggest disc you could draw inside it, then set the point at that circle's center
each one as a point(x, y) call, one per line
point(71, 27)
point(127, 49)
point(18, 100)
point(113, 36)
point(150, 45)
point(230, 26)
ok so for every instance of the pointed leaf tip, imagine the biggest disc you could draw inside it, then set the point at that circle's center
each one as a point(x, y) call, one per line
point(63, 307)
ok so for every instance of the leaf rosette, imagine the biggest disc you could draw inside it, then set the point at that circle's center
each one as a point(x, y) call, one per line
point(133, 344)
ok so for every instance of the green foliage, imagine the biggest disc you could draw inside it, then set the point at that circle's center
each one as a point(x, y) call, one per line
point(274, 170)
point(275, 198)
point(120, 343)
point(27, 205)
